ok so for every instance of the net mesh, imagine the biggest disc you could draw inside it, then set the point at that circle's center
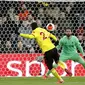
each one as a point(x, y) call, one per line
point(17, 14)
point(14, 15)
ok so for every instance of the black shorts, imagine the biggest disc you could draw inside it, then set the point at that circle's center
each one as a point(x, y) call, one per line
point(50, 56)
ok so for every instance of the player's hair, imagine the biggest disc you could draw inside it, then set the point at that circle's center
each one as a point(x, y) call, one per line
point(34, 25)
point(68, 28)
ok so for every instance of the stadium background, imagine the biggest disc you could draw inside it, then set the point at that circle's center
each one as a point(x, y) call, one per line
point(17, 55)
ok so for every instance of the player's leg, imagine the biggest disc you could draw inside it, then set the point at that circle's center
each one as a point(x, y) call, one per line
point(63, 58)
point(49, 62)
point(61, 63)
point(48, 72)
point(79, 59)
point(56, 59)
point(53, 71)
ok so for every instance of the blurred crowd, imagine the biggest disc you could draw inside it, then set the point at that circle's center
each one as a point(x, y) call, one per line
point(14, 15)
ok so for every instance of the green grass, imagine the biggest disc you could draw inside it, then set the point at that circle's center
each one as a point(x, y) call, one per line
point(40, 81)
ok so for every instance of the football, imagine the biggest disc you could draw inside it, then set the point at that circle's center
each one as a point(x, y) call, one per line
point(50, 27)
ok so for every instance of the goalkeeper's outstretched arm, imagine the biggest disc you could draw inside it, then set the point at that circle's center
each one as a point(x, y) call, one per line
point(78, 46)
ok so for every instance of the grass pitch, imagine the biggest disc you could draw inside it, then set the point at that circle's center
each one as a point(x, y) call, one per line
point(40, 81)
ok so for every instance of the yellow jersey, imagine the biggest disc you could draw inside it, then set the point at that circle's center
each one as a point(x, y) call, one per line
point(42, 37)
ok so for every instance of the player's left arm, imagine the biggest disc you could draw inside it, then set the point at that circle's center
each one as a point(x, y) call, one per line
point(31, 36)
point(78, 45)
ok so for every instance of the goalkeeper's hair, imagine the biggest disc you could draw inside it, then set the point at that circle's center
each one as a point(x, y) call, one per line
point(68, 28)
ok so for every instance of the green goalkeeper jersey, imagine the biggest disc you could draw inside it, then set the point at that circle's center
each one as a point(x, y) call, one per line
point(70, 45)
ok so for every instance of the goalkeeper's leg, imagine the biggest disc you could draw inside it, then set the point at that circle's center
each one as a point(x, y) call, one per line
point(54, 72)
point(61, 63)
point(78, 59)
point(63, 66)
point(81, 61)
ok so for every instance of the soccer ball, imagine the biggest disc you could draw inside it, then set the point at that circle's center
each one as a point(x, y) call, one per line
point(50, 27)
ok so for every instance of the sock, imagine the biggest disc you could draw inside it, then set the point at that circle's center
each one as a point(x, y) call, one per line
point(62, 65)
point(48, 73)
point(53, 71)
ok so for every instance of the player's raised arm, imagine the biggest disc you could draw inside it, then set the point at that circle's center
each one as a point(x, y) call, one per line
point(27, 35)
point(54, 38)
point(24, 35)
point(32, 35)
point(78, 45)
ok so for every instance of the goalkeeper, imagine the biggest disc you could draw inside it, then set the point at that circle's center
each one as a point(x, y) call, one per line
point(42, 37)
point(70, 44)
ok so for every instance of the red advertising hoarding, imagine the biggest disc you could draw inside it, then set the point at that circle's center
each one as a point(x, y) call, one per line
point(25, 65)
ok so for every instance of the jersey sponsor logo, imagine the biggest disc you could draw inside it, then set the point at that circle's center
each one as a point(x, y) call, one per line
point(24, 64)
